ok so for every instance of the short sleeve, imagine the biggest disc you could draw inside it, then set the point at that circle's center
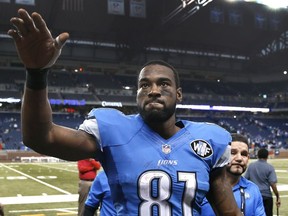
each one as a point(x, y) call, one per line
point(224, 159)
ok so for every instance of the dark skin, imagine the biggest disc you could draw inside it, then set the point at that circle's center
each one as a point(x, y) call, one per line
point(157, 96)
point(220, 195)
point(156, 99)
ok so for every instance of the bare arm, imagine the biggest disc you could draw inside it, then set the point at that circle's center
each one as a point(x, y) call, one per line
point(220, 195)
point(38, 49)
point(275, 190)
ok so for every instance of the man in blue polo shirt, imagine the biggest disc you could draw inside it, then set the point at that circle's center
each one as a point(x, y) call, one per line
point(246, 193)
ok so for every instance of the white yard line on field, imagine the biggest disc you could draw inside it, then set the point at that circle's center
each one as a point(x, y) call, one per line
point(282, 187)
point(68, 210)
point(38, 199)
point(57, 168)
point(37, 180)
point(281, 171)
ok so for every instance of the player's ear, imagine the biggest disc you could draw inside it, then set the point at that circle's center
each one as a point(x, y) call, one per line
point(179, 95)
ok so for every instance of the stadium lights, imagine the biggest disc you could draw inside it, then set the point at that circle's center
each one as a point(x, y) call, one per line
point(196, 107)
point(247, 109)
point(10, 100)
point(223, 108)
point(127, 87)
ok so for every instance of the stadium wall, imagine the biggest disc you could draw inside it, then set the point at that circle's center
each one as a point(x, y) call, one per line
point(31, 156)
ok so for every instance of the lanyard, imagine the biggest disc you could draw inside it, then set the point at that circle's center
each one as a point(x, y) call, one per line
point(242, 193)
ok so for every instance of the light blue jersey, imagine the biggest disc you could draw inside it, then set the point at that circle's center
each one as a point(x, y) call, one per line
point(100, 195)
point(152, 176)
point(250, 202)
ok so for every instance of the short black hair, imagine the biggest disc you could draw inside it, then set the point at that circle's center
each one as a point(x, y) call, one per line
point(239, 138)
point(161, 62)
point(262, 153)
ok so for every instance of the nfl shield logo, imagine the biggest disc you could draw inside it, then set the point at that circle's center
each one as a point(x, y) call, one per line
point(166, 148)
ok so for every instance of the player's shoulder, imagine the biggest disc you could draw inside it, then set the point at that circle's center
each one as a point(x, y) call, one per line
point(207, 128)
point(111, 114)
point(204, 124)
point(106, 111)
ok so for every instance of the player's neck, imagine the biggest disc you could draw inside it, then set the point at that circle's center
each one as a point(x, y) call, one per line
point(165, 129)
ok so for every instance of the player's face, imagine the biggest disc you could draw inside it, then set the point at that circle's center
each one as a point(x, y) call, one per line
point(157, 94)
point(239, 158)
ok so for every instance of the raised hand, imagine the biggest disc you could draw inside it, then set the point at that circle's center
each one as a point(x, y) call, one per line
point(35, 45)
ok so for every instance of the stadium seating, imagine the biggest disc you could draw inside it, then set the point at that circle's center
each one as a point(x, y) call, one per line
point(94, 88)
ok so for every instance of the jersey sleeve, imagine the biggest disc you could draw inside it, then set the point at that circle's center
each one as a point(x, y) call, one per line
point(114, 127)
point(220, 140)
point(224, 159)
point(215, 141)
point(90, 126)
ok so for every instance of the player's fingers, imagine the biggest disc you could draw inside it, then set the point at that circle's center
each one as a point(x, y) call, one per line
point(61, 40)
point(19, 25)
point(27, 20)
point(40, 23)
point(14, 34)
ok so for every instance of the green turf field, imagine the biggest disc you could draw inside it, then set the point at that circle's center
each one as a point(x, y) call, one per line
point(281, 167)
point(46, 189)
point(39, 188)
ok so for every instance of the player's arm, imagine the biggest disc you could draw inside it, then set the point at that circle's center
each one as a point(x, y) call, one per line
point(42, 135)
point(38, 51)
point(220, 195)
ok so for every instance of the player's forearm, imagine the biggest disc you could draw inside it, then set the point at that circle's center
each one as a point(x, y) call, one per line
point(223, 203)
point(221, 196)
point(36, 118)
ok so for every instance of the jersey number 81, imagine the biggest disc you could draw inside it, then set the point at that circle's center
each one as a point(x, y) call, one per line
point(164, 191)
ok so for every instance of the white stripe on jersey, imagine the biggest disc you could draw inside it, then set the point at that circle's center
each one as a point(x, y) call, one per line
point(224, 159)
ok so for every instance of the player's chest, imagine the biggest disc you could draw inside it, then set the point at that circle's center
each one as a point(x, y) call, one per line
point(153, 153)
